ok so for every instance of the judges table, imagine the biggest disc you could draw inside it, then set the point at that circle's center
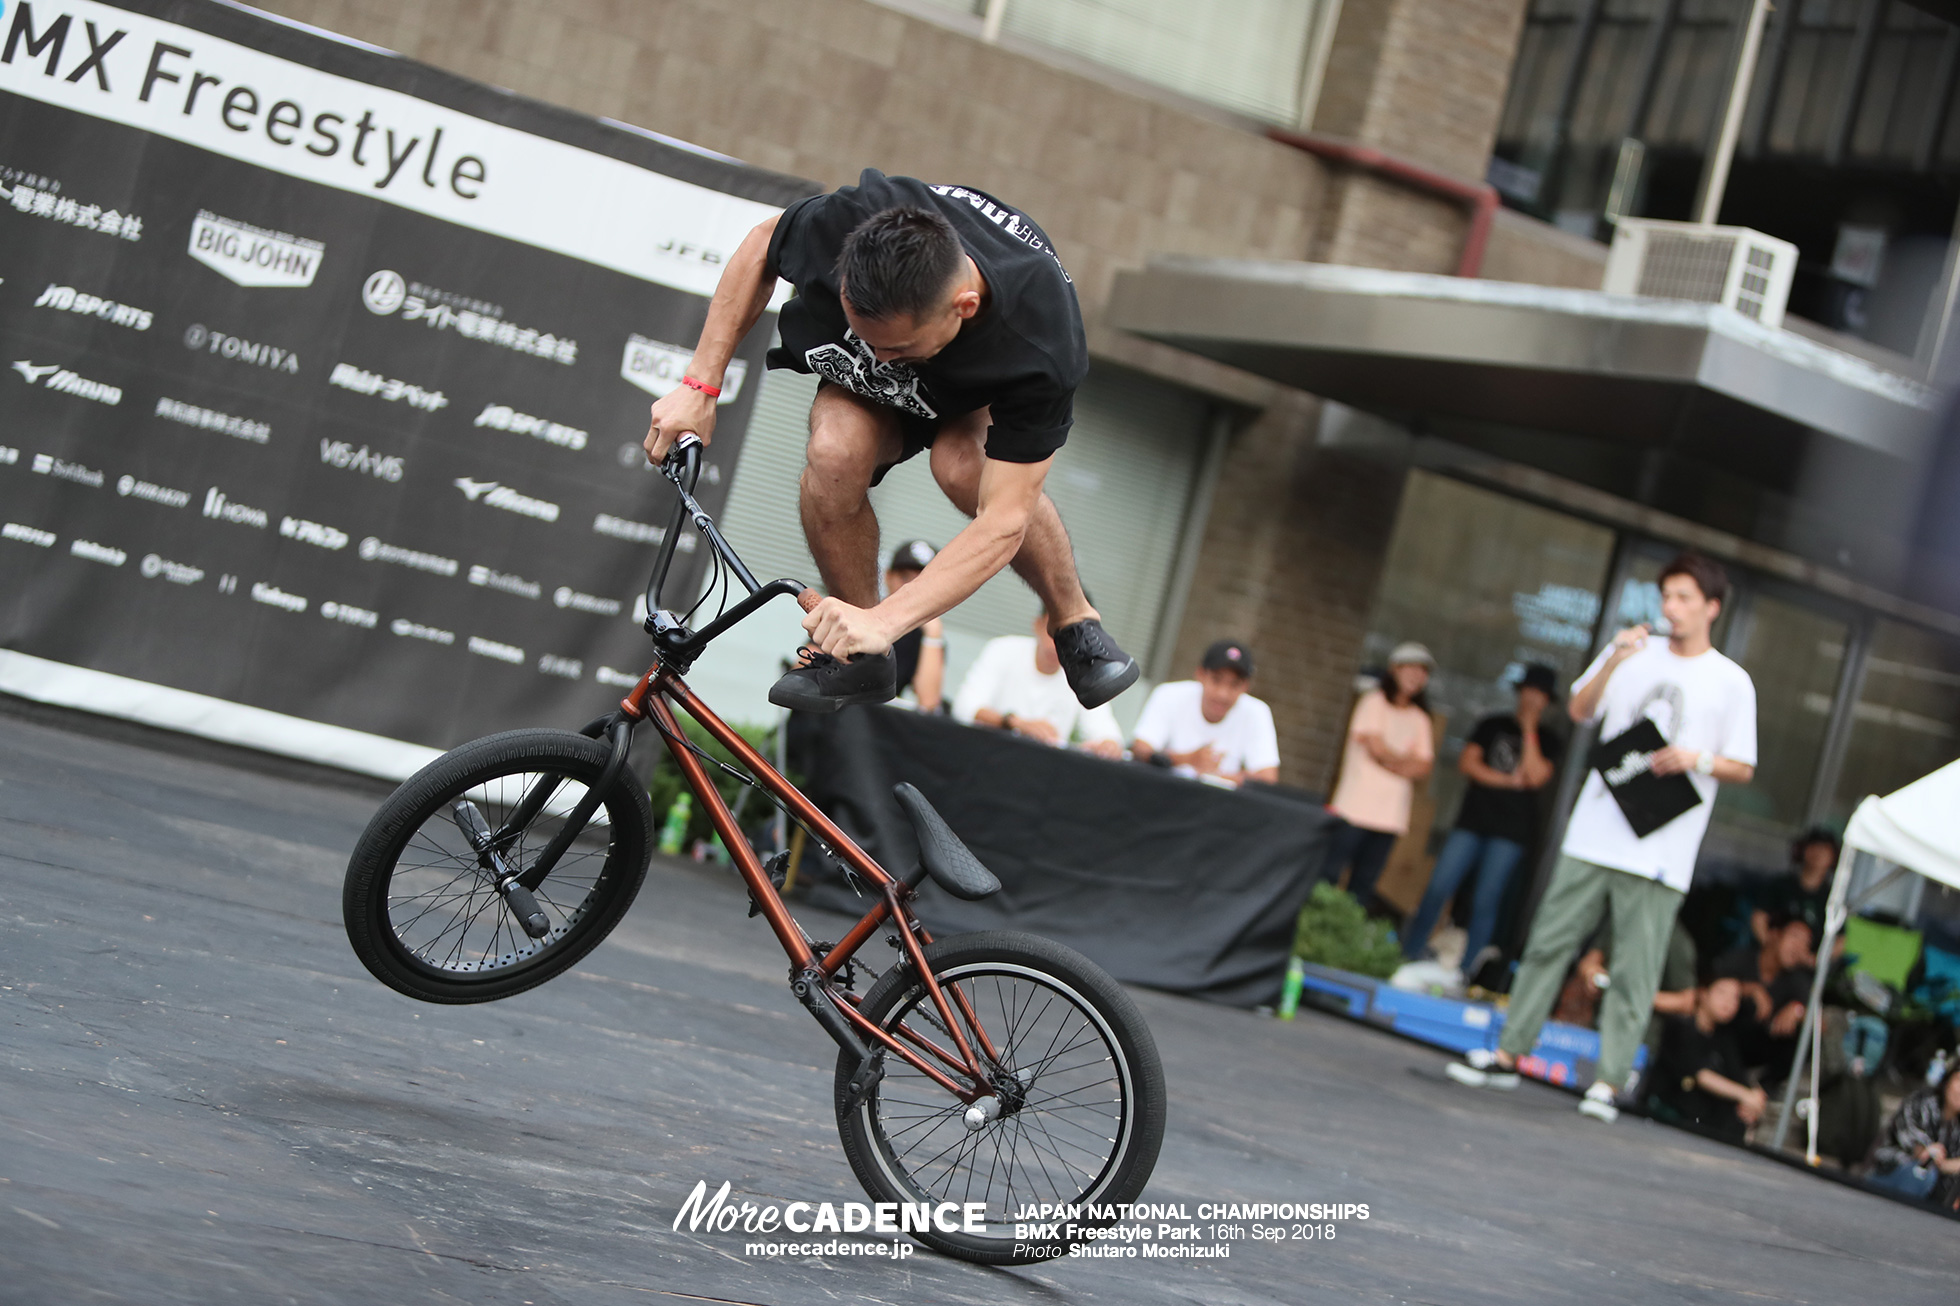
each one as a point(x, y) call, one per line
point(1163, 881)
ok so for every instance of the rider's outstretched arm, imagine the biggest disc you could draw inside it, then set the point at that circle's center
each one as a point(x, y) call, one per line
point(741, 296)
point(1007, 499)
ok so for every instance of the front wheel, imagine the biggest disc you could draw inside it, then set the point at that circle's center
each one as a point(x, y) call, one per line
point(421, 904)
point(1078, 1104)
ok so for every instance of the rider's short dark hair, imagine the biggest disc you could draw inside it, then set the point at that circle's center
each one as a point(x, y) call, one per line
point(1706, 573)
point(899, 263)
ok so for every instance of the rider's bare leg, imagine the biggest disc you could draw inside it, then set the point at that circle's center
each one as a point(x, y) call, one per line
point(1046, 560)
point(850, 439)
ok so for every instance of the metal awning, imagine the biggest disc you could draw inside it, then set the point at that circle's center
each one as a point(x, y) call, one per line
point(1693, 379)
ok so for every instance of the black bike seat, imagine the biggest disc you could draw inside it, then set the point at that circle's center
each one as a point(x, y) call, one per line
point(949, 862)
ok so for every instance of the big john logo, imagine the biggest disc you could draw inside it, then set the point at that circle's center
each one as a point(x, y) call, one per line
point(253, 256)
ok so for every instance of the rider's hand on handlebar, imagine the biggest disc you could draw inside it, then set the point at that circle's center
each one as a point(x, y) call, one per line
point(842, 630)
point(673, 415)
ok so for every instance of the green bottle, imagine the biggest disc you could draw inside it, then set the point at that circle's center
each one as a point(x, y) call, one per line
point(1289, 993)
point(674, 830)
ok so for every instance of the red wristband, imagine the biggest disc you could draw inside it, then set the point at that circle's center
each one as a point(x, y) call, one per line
point(712, 391)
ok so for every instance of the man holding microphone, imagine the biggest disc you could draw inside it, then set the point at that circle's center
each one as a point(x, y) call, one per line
point(1704, 708)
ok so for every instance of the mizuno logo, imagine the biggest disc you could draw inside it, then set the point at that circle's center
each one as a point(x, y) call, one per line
point(497, 495)
point(34, 372)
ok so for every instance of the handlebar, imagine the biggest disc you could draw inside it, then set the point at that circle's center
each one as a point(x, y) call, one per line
point(682, 468)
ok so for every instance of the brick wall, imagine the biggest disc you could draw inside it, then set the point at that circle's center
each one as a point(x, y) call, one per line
point(1291, 559)
point(821, 88)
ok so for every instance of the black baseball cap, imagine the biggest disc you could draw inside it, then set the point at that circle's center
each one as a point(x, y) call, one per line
point(1228, 655)
point(913, 555)
point(1542, 678)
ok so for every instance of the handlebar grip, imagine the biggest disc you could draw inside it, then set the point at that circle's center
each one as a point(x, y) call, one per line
point(808, 600)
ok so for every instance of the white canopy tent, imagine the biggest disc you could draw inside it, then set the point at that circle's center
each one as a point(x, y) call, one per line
point(1917, 829)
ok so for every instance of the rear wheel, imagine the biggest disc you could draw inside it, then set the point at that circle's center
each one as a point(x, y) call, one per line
point(420, 901)
point(1077, 1112)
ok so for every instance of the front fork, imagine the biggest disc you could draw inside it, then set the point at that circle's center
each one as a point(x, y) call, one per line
point(518, 886)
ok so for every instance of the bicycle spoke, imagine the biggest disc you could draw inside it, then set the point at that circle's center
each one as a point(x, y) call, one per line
point(1061, 1107)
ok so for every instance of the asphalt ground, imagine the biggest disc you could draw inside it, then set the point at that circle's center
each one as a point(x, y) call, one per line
point(204, 1098)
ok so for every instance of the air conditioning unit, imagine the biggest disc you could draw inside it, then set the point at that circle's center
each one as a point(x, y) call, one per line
point(1743, 269)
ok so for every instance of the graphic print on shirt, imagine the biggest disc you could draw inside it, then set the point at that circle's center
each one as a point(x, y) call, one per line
point(853, 366)
point(1663, 706)
point(1504, 753)
point(1014, 224)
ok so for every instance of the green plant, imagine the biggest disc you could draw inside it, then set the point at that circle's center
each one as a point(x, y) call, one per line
point(1334, 931)
point(666, 783)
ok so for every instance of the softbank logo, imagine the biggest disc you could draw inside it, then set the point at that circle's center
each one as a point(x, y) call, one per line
point(252, 256)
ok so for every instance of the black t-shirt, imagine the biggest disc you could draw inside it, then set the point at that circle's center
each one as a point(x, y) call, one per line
point(1023, 354)
point(1686, 1052)
point(905, 652)
point(1787, 894)
point(1503, 813)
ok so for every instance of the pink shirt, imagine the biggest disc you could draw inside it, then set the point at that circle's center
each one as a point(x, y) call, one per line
point(1369, 794)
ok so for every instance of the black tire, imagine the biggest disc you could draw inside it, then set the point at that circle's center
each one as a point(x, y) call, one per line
point(1091, 1116)
point(426, 919)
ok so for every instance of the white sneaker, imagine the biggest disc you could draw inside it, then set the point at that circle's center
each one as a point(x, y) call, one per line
point(1598, 1103)
point(1480, 1069)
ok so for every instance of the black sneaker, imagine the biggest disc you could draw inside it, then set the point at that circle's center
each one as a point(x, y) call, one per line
point(823, 684)
point(1096, 669)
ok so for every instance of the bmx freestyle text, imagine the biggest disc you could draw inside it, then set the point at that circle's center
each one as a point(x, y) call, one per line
point(1132, 1230)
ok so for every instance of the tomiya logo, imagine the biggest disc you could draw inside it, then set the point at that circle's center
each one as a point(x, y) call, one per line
point(216, 505)
point(198, 336)
point(502, 496)
point(53, 376)
point(252, 256)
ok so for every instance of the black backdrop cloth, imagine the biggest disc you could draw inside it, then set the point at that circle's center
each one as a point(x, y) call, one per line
point(1162, 881)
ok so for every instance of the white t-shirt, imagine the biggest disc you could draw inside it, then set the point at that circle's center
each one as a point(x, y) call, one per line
point(1705, 703)
point(1173, 721)
point(1005, 679)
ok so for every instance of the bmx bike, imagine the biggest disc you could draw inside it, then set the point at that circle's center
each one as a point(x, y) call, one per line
point(995, 1067)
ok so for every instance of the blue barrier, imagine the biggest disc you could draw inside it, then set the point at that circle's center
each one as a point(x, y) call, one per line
point(1563, 1054)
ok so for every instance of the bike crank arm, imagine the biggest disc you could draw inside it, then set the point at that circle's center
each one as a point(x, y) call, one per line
point(622, 742)
point(523, 904)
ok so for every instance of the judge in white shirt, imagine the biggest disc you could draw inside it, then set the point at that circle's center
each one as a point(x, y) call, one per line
point(1017, 684)
point(1209, 727)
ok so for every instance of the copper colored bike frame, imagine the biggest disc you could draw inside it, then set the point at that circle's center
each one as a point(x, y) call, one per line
point(650, 698)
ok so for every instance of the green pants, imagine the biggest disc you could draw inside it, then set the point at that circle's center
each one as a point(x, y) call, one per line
point(1643, 917)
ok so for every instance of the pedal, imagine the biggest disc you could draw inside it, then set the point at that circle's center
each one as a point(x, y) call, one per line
point(869, 1072)
point(777, 869)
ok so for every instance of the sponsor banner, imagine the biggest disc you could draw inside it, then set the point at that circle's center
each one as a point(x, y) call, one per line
point(318, 367)
point(286, 115)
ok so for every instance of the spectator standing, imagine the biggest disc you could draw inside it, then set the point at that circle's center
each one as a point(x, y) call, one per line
point(920, 652)
point(1391, 744)
point(1920, 1154)
point(1209, 725)
point(1507, 760)
point(1704, 707)
point(1017, 684)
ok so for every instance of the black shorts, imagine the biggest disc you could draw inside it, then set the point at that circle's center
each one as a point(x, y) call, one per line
point(916, 434)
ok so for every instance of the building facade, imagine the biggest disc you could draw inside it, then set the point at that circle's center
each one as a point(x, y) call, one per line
point(1207, 499)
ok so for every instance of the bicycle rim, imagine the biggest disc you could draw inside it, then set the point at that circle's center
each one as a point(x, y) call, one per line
point(1068, 1094)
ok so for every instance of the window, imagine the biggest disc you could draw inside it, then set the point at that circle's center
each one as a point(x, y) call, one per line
point(1489, 583)
point(1255, 57)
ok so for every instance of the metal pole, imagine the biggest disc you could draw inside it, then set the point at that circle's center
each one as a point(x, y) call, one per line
point(1834, 917)
point(996, 14)
point(1717, 178)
